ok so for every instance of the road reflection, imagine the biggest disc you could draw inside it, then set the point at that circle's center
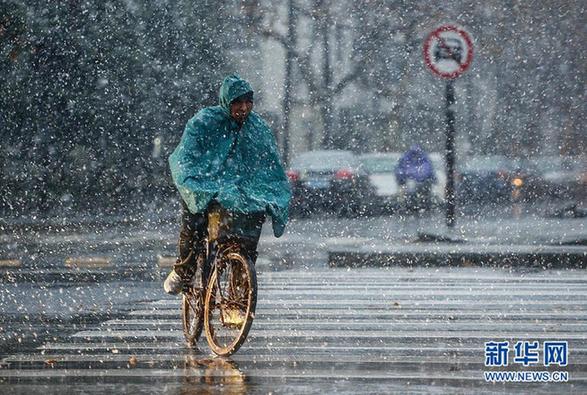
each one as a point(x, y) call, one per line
point(213, 372)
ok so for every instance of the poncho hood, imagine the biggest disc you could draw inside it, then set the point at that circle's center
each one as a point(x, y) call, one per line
point(238, 167)
point(232, 87)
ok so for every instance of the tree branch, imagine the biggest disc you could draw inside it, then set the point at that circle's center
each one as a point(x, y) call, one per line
point(277, 37)
point(305, 67)
point(347, 79)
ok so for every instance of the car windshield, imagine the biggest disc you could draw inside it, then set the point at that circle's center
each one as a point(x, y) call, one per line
point(487, 163)
point(325, 160)
point(549, 164)
point(380, 163)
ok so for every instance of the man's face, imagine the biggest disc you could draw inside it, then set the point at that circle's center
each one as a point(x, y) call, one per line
point(240, 110)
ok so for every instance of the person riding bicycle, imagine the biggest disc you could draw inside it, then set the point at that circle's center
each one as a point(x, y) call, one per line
point(227, 156)
point(415, 165)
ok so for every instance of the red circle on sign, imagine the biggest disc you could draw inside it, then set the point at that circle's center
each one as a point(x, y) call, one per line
point(435, 35)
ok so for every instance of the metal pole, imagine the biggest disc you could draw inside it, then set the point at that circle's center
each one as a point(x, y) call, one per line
point(291, 40)
point(450, 154)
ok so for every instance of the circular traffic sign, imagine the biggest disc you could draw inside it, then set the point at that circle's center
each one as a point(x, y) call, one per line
point(448, 51)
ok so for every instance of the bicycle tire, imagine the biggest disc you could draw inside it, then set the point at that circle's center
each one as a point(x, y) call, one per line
point(192, 312)
point(224, 338)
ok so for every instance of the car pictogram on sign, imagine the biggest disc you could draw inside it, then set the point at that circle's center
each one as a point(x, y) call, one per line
point(448, 51)
point(449, 48)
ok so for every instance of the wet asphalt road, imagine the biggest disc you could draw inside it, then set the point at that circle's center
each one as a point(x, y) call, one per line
point(326, 330)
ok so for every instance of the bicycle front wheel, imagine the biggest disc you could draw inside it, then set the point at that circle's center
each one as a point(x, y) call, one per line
point(230, 302)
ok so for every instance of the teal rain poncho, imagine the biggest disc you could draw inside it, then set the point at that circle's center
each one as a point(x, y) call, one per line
point(240, 169)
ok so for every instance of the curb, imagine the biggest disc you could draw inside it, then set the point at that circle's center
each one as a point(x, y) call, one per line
point(100, 269)
point(80, 275)
point(462, 256)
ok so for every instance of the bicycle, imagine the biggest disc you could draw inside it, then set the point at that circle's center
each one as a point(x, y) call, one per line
point(221, 295)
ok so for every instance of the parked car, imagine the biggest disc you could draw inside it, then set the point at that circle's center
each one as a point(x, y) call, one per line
point(525, 180)
point(560, 176)
point(333, 180)
point(381, 166)
point(485, 179)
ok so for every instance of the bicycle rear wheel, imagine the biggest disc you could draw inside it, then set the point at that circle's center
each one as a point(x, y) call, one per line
point(230, 302)
point(192, 309)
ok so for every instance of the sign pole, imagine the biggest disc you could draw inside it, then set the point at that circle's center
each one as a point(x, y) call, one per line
point(448, 52)
point(450, 154)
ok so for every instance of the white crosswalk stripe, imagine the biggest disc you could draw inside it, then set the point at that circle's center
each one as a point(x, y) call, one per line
point(366, 325)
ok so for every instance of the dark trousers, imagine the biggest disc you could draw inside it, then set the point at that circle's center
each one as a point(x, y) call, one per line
point(193, 231)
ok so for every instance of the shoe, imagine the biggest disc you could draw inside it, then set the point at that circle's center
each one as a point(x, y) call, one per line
point(173, 284)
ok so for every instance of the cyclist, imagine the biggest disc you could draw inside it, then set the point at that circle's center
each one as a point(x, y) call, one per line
point(227, 155)
point(415, 167)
